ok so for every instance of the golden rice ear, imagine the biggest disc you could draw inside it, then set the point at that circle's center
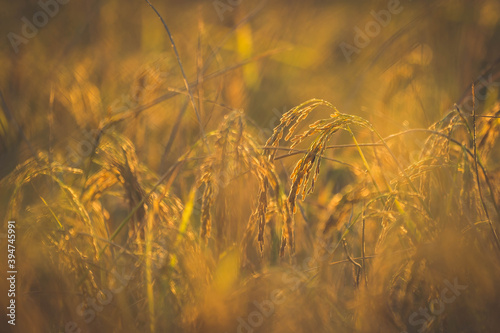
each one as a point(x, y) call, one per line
point(262, 210)
point(206, 215)
point(287, 238)
point(232, 148)
point(306, 171)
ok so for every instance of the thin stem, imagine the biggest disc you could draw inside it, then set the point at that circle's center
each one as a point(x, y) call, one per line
point(363, 244)
point(493, 231)
point(184, 77)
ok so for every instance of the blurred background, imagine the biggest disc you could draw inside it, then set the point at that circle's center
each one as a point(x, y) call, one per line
point(91, 57)
point(69, 69)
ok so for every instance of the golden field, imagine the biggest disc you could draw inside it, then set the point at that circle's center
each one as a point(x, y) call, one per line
point(239, 166)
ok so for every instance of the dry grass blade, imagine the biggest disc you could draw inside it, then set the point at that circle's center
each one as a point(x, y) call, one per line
point(184, 77)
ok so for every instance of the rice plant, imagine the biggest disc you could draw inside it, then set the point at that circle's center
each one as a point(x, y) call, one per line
point(154, 191)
